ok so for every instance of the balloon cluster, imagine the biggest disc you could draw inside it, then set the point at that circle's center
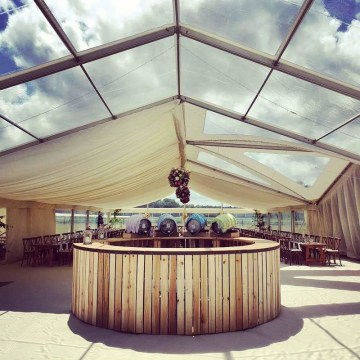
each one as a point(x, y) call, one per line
point(179, 178)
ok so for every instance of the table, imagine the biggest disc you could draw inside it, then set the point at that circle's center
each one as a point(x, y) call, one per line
point(307, 247)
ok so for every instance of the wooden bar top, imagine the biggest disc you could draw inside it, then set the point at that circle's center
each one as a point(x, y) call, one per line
point(246, 245)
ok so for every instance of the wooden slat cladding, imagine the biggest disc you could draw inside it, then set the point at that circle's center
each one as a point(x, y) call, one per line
point(175, 293)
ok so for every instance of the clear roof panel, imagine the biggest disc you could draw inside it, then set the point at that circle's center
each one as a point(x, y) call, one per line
point(92, 23)
point(136, 77)
point(53, 104)
point(302, 169)
point(217, 77)
point(347, 138)
point(219, 163)
point(11, 136)
point(328, 40)
point(301, 107)
point(216, 124)
point(26, 38)
point(261, 24)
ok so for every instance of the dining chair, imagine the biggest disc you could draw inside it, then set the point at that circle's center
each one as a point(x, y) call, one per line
point(291, 252)
point(332, 250)
point(30, 255)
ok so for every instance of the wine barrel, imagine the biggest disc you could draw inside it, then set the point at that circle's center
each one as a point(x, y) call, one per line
point(138, 224)
point(223, 223)
point(195, 223)
point(167, 224)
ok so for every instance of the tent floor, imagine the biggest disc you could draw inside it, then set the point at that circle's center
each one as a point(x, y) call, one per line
point(320, 319)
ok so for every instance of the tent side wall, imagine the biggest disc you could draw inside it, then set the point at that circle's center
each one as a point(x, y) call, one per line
point(26, 222)
point(338, 213)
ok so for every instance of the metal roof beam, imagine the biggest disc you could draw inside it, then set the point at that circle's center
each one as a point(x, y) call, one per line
point(238, 144)
point(85, 56)
point(334, 151)
point(270, 61)
point(261, 187)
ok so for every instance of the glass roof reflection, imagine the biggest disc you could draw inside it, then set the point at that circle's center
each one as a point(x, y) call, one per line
point(95, 22)
point(54, 103)
point(227, 166)
point(302, 169)
point(10, 136)
point(301, 107)
point(223, 125)
point(347, 138)
point(237, 20)
point(136, 77)
point(26, 38)
point(328, 40)
point(217, 77)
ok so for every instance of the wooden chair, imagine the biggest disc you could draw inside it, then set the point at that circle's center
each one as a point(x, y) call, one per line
point(65, 252)
point(29, 252)
point(291, 251)
point(333, 249)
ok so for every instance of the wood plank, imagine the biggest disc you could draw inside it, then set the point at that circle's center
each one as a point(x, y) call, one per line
point(264, 281)
point(105, 295)
point(140, 294)
point(204, 302)
point(278, 282)
point(232, 292)
point(95, 289)
point(148, 293)
point(118, 291)
point(74, 283)
point(268, 285)
point(260, 287)
point(245, 290)
point(100, 283)
point(212, 293)
point(164, 290)
point(132, 293)
point(83, 284)
point(172, 295)
point(250, 271)
point(155, 318)
point(196, 294)
point(180, 289)
point(239, 292)
point(226, 293)
point(125, 293)
point(256, 290)
point(111, 322)
point(218, 294)
point(79, 284)
point(188, 295)
point(86, 287)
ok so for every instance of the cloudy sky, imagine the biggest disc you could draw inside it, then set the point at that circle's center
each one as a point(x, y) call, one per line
point(326, 42)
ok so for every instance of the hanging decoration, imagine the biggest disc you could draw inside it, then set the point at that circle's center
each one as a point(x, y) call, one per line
point(179, 178)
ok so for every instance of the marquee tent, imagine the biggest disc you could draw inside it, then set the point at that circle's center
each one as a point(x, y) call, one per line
point(260, 100)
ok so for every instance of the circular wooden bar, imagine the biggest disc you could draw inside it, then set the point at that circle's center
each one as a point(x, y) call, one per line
point(187, 291)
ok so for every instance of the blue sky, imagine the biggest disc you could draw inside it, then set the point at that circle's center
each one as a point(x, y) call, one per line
point(344, 10)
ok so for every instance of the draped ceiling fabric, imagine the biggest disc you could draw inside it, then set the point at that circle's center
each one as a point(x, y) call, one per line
point(260, 100)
